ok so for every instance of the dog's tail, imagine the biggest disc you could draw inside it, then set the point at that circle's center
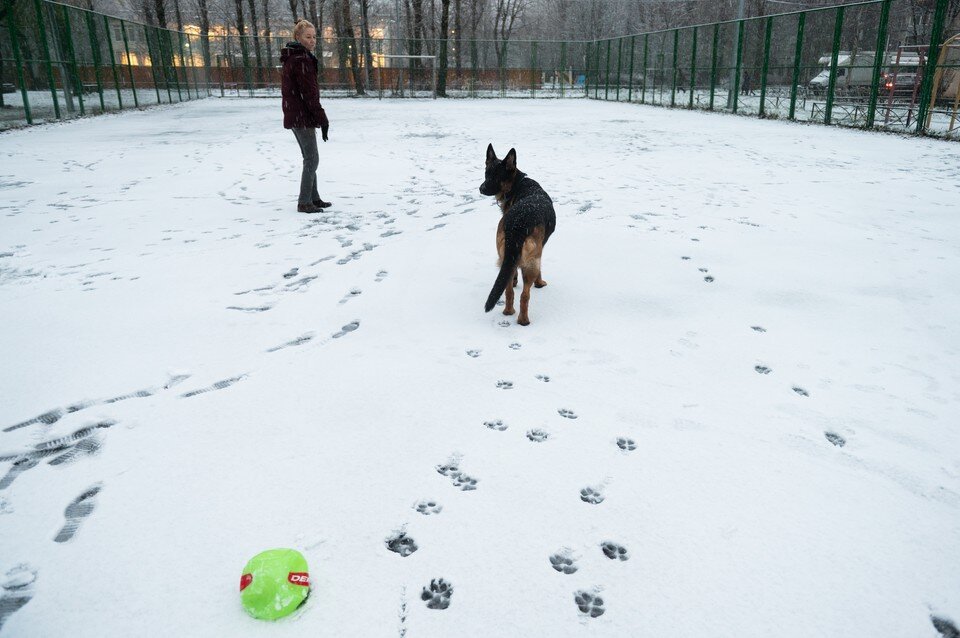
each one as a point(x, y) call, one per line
point(508, 269)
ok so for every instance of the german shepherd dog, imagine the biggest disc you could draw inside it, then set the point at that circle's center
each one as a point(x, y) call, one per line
point(527, 223)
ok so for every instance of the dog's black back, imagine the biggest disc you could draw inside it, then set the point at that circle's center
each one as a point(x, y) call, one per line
point(526, 208)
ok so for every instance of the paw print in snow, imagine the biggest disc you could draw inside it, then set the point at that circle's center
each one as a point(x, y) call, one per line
point(625, 444)
point(401, 544)
point(762, 369)
point(567, 414)
point(835, 438)
point(497, 425)
point(589, 604)
point(473, 353)
point(464, 482)
point(505, 385)
point(537, 436)
point(614, 551)
point(515, 346)
point(438, 595)
point(591, 495)
point(801, 391)
point(563, 563)
point(543, 377)
point(429, 507)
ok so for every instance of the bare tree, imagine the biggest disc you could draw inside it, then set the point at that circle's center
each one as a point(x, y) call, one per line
point(507, 12)
point(444, 26)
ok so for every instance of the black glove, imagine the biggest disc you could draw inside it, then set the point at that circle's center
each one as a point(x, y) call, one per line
point(324, 124)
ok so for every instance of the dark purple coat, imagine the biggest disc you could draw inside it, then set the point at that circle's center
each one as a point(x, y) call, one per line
point(301, 93)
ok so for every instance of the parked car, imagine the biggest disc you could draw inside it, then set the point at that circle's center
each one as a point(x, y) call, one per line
point(6, 87)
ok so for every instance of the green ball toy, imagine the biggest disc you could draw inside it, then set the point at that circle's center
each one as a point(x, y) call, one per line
point(274, 583)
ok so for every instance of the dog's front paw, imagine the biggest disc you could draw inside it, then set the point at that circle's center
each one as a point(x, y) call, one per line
point(508, 311)
point(523, 321)
point(539, 283)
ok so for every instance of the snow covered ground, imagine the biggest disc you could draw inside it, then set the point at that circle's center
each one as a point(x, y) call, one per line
point(747, 356)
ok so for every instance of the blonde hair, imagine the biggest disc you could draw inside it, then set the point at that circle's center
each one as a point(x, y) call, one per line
point(300, 27)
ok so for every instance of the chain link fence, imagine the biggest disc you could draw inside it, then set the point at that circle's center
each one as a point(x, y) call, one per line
point(867, 65)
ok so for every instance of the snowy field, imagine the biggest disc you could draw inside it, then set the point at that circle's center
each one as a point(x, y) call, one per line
point(744, 372)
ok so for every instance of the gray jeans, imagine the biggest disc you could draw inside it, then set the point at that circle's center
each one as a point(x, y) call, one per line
point(307, 138)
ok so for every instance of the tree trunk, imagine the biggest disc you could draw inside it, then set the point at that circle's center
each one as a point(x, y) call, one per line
point(442, 70)
point(177, 14)
point(293, 10)
point(205, 36)
point(241, 29)
point(365, 35)
point(457, 37)
point(255, 27)
point(268, 37)
point(349, 39)
point(161, 12)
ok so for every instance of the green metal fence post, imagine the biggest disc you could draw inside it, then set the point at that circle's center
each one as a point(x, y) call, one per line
point(713, 63)
point(113, 61)
point(619, 65)
point(596, 60)
point(95, 49)
point(46, 57)
point(563, 66)
point(766, 66)
point(735, 98)
point(646, 66)
point(73, 58)
point(837, 32)
point(676, 66)
point(533, 69)
point(18, 60)
point(587, 75)
point(797, 61)
point(126, 46)
point(933, 53)
point(881, 54)
point(183, 65)
point(633, 43)
point(173, 60)
point(693, 66)
point(606, 81)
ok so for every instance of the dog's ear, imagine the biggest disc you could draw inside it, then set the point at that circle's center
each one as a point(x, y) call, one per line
point(510, 161)
point(491, 156)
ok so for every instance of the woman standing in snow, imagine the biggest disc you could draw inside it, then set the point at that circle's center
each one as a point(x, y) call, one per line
point(302, 111)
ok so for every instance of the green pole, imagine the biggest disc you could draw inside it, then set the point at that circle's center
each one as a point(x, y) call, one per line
point(633, 43)
point(183, 65)
point(646, 52)
point(619, 65)
point(933, 53)
point(736, 80)
point(563, 65)
point(878, 60)
point(587, 76)
point(676, 66)
point(164, 36)
point(766, 66)
point(693, 66)
point(126, 46)
point(95, 49)
point(113, 61)
point(713, 63)
point(837, 32)
point(797, 61)
point(533, 69)
point(47, 59)
point(596, 61)
point(606, 81)
point(73, 58)
point(15, 42)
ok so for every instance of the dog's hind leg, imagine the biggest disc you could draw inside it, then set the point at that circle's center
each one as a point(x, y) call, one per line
point(529, 276)
point(539, 283)
point(508, 293)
